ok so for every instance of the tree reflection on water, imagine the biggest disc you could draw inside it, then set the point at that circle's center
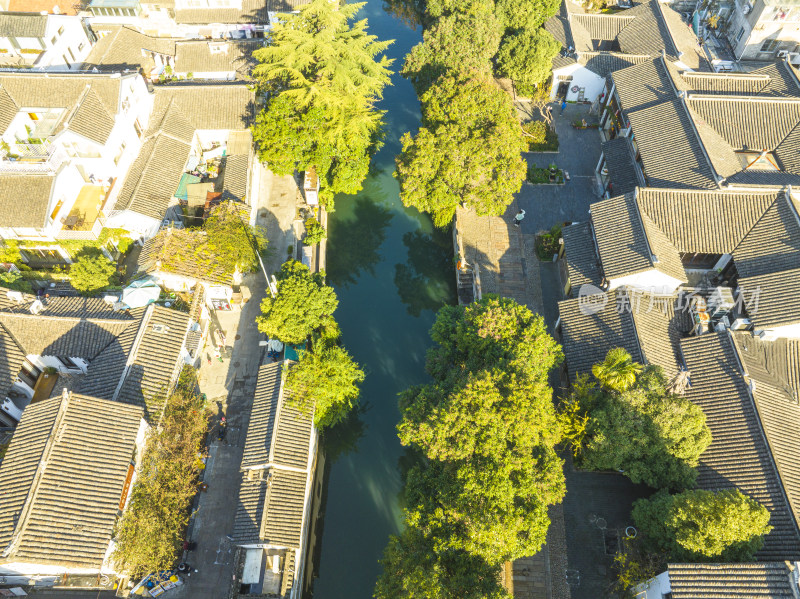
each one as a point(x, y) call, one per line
point(419, 282)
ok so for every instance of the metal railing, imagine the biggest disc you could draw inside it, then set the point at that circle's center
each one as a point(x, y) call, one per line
point(32, 158)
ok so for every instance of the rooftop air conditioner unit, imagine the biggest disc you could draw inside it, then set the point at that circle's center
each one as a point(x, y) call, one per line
point(782, 53)
point(747, 8)
point(36, 307)
point(160, 328)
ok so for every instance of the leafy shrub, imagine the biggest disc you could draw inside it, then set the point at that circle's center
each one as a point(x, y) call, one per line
point(536, 130)
point(315, 232)
point(15, 281)
point(151, 531)
point(547, 243)
point(92, 272)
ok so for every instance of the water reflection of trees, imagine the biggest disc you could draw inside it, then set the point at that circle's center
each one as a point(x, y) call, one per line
point(408, 11)
point(427, 280)
point(354, 242)
point(344, 437)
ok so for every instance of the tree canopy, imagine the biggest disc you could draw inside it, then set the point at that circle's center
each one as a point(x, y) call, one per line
point(469, 150)
point(526, 56)
point(702, 525)
point(488, 428)
point(328, 380)
point(445, 48)
point(654, 436)
point(525, 14)
point(617, 371)
point(301, 306)
point(413, 569)
point(91, 272)
point(323, 77)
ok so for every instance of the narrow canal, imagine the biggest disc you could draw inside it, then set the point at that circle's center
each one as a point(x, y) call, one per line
point(391, 271)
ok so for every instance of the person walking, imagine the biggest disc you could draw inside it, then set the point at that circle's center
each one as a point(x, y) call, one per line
point(518, 218)
point(563, 105)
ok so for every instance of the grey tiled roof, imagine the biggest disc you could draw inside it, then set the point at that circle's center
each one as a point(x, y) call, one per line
point(66, 91)
point(154, 368)
point(292, 437)
point(71, 327)
point(661, 322)
point(771, 80)
point(22, 25)
point(622, 169)
point(620, 236)
point(32, 191)
point(649, 327)
point(124, 48)
point(252, 11)
point(768, 259)
point(11, 359)
point(605, 63)
point(629, 241)
point(250, 509)
point(738, 456)
point(582, 263)
point(284, 508)
point(674, 159)
point(758, 580)
point(178, 111)
point(587, 338)
point(62, 480)
point(712, 222)
point(558, 26)
point(71, 337)
point(684, 39)
point(234, 186)
point(687, 142)
point(197, 56)
point(262, 416)
point(154, 177)
point(208, 106)
point(278, 433)
point(277, 466)
point(773, 368)
point(106, 370)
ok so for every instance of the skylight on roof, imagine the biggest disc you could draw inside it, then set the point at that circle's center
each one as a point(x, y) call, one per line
point(758, 161)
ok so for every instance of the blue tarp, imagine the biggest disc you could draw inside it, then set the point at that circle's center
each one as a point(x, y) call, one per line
point(291, 352)
point(186, 179)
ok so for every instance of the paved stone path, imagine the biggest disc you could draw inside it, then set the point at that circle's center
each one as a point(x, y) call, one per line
point(503, 255)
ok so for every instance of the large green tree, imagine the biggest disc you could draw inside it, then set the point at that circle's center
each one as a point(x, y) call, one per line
point(413, 569)
point(469, 150)
point(91, 272)
point(326, 380)
point(525, 14)
point(302, 305)
point(488, 429)
point(461, 41)
point(702, 525)
point(322, 77)
point(655, 437)
point(526, 56)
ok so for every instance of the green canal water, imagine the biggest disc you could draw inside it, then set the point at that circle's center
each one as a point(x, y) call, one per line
point(391, 271)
